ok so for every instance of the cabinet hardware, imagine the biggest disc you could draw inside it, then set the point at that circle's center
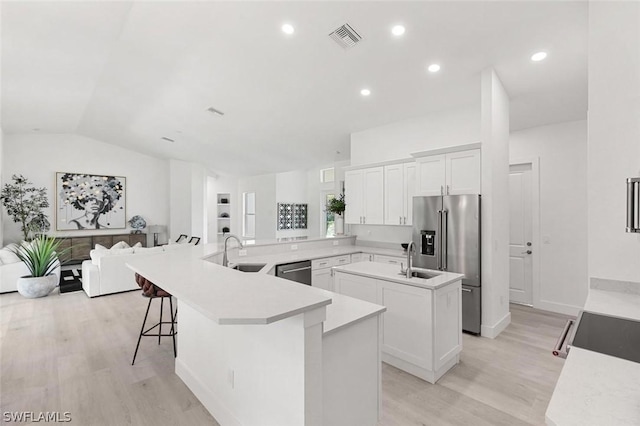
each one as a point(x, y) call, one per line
point(447, 189)
point(399, 220)
point(466, 290)
point(441, 190)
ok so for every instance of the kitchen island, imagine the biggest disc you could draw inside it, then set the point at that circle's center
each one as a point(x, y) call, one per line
point(259, 350)
point(422, 327)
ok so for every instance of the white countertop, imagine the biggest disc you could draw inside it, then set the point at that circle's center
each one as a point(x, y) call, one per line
point(271, 260)
point(228, 296)
point(597, 389)
point(388, 272)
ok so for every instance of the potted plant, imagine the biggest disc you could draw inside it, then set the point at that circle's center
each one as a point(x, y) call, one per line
point(25, 204)
point(337, 207)
point(41, 258)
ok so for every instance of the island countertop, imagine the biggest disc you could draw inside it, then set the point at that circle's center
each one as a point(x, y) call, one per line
point(231, 297)
point(387, 272)
point(224, 295)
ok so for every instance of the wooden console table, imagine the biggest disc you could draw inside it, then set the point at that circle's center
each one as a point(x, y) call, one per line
point(81, 245)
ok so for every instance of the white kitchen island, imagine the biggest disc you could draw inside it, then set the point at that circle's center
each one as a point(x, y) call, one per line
point(422, 327)
point(259, 350)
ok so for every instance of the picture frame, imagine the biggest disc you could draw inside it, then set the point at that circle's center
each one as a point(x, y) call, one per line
point(87, 201)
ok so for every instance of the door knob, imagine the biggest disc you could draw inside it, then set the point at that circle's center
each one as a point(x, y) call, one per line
point(528, 243)
point(527, 252)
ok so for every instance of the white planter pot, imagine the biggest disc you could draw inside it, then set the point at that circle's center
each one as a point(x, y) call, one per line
point(339, 224)
point(32, 287)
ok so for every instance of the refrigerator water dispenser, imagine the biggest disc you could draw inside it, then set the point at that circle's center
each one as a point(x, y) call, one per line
point(428, 246)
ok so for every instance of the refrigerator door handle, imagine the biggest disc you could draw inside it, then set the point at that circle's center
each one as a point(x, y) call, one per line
point(439, 249)
point(445, 237)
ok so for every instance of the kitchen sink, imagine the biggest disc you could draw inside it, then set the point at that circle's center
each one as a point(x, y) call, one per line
point(423, 274)
point(249, 267)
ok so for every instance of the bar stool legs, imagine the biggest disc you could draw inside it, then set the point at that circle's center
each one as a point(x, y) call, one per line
point(147, 333)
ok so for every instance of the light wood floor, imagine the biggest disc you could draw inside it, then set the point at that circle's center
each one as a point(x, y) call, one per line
point(69, 353)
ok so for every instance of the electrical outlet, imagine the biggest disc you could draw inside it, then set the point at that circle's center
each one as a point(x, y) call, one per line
point(294, 247)
point(335, 243)
point(242, 252)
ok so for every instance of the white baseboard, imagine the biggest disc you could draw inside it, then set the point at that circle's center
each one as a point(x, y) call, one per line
point(205, 396)
point(494, 330)
point(559, 308)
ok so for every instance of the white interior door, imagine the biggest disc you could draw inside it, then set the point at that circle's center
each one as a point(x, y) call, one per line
point(521, 250)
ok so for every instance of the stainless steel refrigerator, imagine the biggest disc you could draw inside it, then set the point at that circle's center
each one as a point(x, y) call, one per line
point(446, 234)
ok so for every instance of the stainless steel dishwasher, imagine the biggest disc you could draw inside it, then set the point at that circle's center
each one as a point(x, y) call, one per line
point(298, 271)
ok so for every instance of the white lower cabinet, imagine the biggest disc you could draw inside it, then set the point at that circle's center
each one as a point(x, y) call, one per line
point(407, 326)
point(421, 329)
point(321, 270)
point(389, 259)
point(322, 278)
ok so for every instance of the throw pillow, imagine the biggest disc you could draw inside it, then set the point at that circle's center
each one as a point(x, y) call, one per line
point(100, 247)
point(120, 245)
point(138, 244)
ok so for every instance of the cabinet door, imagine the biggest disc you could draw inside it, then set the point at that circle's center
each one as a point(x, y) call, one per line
point(431, 174)
point(373, 196)
point(409, 192)
point(407, 324)
point(394, 205)
point(353, 187)
point(380, 258)
point(356, 286)
point(463, 172)
point(321, 278)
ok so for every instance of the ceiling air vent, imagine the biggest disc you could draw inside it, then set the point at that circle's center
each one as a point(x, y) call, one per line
point(346, 36)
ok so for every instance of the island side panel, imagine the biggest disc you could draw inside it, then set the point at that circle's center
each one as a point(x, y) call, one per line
point(352, 375)
point(250, 374)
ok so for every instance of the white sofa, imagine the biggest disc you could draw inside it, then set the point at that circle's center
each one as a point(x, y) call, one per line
point(11, 268)
point(107, 272)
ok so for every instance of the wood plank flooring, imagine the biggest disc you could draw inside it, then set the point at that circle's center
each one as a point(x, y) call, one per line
point(69, 353)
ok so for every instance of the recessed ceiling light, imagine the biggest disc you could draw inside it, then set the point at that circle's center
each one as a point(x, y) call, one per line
point(537, 57)
point(288, 29)
point(365, 92)
point(434, 68)
point(397, 30)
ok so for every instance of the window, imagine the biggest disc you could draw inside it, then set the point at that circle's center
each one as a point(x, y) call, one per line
point(249, 214)
point(329, 218)
point(327, 175)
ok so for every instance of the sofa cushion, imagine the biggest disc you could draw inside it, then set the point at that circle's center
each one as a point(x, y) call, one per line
point(7, 256)
point(96, 255)
point(147, 250)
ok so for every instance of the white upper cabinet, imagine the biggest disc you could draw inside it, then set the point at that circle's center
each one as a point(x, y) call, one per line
point(449, 174)
point(364, 190)
point(431, 174)
point(463, 172)
point(399, 189)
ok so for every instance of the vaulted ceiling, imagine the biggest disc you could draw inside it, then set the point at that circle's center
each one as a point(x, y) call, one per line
point(130, 73)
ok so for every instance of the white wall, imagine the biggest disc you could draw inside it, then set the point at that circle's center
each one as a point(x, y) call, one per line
point(188, 195)
point(40, 156)
point(1, 185)
point(614, 137)
point(562, 153)
point(495, 205)
point(265, 188)
point(398, 140)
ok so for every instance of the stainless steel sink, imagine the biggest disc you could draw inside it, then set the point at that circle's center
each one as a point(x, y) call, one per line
point(249, 267)
point(619, 337)
point(421, 274)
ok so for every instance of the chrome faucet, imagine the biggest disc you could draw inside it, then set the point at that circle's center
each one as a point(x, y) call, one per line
point(225, 259)
point(411, 247)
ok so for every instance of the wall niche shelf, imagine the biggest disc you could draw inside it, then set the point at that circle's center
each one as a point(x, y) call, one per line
point(224, 213)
